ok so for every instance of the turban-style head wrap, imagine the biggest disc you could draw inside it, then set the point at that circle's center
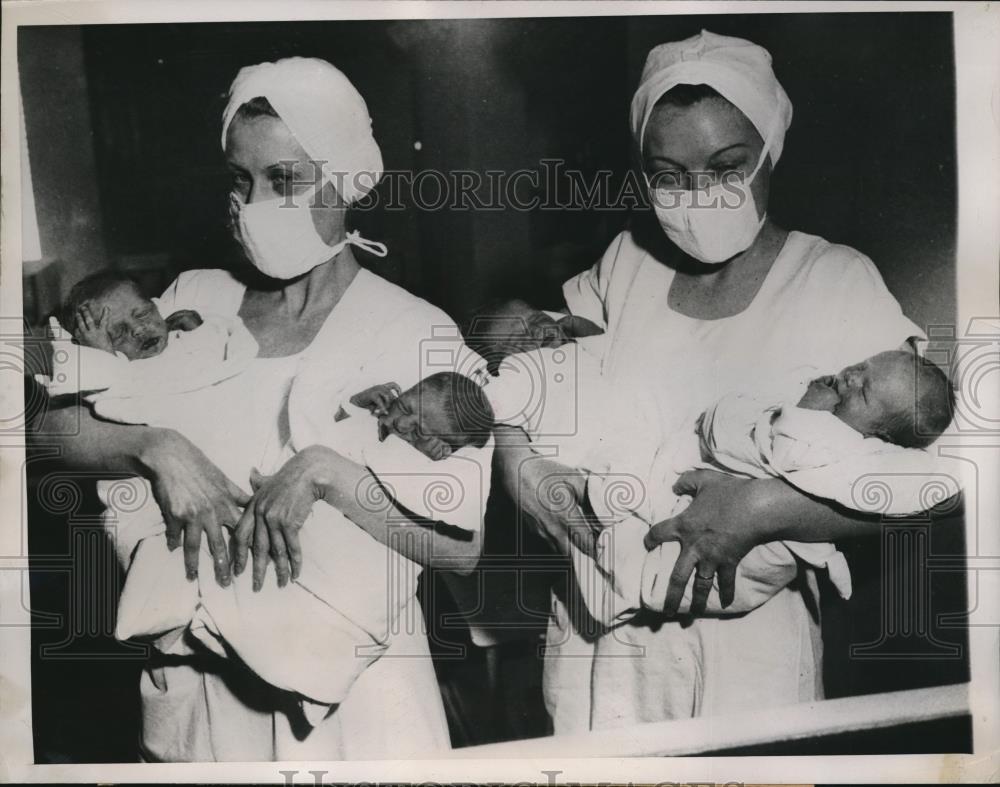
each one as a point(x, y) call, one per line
point(740, 71)
point(323, 111)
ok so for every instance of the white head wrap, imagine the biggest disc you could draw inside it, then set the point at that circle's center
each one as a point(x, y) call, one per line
point(323, 111)
point(740, 71)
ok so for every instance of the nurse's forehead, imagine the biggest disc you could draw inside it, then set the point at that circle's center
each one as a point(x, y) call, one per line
point(699, 130)
point(261, 142)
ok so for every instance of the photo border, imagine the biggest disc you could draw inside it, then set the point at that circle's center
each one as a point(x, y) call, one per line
point(977, 54)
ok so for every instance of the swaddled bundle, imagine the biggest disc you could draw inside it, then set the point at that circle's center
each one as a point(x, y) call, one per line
point(830, 436)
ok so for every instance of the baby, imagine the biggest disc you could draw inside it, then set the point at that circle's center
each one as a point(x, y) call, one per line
point(439, 415)
point(868, 422)
point(891, 396)
point(889, 405)
point(122, 346)
point(107, 311)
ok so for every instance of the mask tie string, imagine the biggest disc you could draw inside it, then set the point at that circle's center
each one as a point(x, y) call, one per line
point(371, 246)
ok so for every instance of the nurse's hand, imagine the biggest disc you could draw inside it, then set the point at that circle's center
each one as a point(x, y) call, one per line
point(195, 497)
point(272, 520)
point(715, 533)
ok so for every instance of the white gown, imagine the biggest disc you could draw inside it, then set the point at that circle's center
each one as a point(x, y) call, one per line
point(820, 304)
point(197, 706)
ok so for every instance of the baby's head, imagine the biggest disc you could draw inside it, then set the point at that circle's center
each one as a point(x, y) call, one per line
point(439, 415)
point(894, 395)
point(122, 318)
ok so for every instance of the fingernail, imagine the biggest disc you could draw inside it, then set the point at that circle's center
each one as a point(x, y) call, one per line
point(192, 576)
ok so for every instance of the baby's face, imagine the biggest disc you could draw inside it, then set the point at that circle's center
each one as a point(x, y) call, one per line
point(419, 416)
point(134, 324)
point(866, 395)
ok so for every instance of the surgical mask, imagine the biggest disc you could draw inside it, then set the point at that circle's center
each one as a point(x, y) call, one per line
point(280, 238)
point(714, 224)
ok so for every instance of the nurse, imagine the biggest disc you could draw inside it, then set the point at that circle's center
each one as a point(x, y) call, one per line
point(717, 296)
point(298, 141)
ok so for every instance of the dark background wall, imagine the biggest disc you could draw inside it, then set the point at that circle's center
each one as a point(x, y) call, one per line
point(123, 125)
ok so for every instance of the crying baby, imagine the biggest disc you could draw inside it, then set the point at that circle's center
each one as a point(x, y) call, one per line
point(438, 416)
point(107, 311)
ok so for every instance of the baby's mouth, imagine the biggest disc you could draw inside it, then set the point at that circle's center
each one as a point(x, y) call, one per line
point(152, 343)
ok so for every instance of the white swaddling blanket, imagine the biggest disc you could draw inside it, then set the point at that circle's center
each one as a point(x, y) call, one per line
point(818, 453)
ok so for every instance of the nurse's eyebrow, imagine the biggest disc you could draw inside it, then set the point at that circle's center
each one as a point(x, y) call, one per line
point(728, 148)
point(665, 160)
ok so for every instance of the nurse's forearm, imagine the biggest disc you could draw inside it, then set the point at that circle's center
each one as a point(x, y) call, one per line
point(542, 488)
point(343, 483)
point(780, 512)
point(86, 443)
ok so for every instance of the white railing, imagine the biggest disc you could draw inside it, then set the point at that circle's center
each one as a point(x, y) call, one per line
point(773, 725)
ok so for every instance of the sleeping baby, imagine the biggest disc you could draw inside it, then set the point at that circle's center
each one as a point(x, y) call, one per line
point(890, 405)
point(832, 436)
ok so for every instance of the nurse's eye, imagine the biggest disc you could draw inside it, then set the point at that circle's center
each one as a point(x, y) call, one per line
point(667, 179)
point(730, 173)
point(282, 185)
